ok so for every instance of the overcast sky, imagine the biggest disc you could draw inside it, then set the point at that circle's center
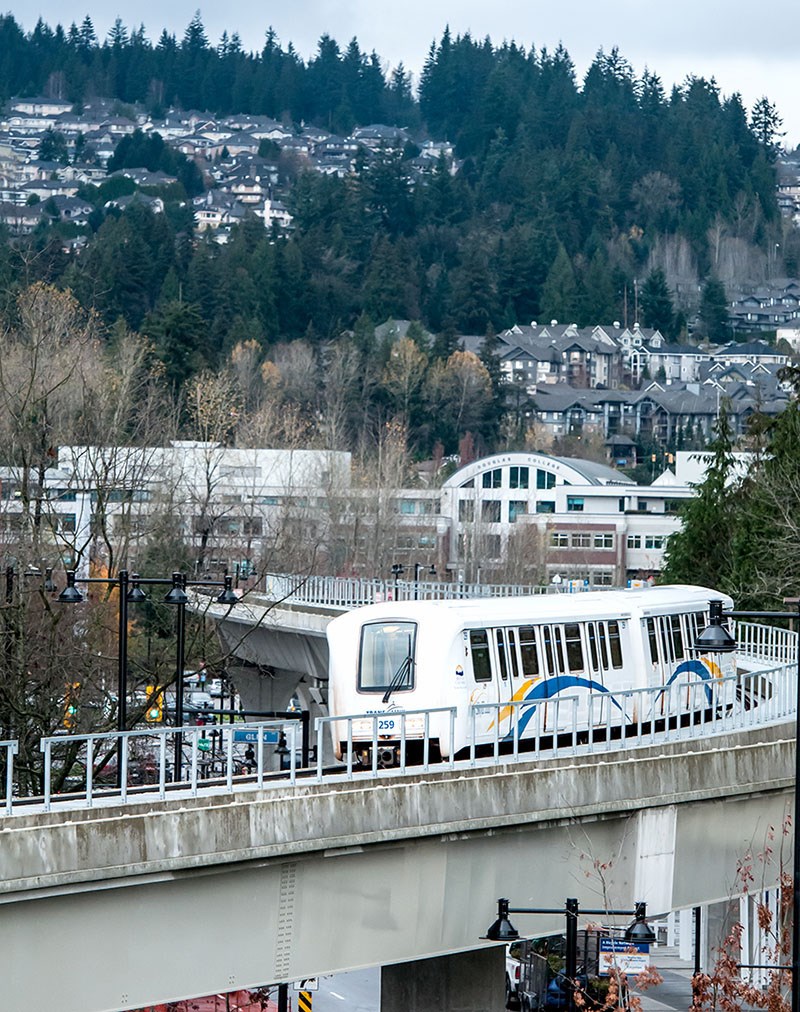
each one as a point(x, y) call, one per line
point(745, 47)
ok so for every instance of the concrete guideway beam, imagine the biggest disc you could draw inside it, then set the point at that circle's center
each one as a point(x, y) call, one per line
point(317, 880)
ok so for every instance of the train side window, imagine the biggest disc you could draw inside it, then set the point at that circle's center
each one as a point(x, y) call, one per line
point(677, 636)
point(513, 664)
point(547, 638)
point(666, 639)
point(479, 647)
point(653, 638)
point(601, 631)
point(558, 644)
point(501, 654)
point(572, 638)
point(591, 631)
point(528, 651)
point(695, 622)
point(615, 644)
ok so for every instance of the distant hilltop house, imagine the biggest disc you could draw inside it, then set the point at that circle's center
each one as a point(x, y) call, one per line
point(768, 307)
point(582, 357)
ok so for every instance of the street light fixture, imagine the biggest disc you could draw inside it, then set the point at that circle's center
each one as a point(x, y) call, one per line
point(418, 567)
point(130, 591)
point(637, 932)
point(717, 638)
point(228, 594)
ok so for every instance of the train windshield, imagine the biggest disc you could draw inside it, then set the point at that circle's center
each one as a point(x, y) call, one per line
point(386, 660)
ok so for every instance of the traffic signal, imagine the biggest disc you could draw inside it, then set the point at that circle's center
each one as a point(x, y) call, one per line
point(71, 704)
point(154, 713)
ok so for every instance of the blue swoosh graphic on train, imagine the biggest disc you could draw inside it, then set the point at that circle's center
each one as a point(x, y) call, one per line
point(696, 668)
point(549, 687)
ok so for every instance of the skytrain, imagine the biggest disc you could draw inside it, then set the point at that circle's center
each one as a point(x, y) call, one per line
point(504, 672)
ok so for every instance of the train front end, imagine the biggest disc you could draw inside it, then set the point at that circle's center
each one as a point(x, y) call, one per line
point(376, 692)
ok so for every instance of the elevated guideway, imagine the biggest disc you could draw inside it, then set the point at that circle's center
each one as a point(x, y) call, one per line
point(183, 889)
point(180, 897)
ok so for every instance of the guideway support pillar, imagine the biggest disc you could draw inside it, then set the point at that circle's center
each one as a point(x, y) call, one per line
point(464, 982)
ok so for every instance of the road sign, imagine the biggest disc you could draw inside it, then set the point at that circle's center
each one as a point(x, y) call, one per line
point(203, 745)
point(304, 1001)
point(268, 737)
point(631, 958)
point(307, 984)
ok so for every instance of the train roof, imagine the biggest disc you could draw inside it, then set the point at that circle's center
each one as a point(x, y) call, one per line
point(555, 607)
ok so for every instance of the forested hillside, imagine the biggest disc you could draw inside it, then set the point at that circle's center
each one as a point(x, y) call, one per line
point(564, 198)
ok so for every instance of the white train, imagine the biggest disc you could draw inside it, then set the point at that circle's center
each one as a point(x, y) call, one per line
point(536, 665)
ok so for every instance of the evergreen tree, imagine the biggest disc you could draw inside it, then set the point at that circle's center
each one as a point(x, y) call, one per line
point(700, 553)
point(767, 123)
point(560, 290)
point(714, 310)
point(655, 304)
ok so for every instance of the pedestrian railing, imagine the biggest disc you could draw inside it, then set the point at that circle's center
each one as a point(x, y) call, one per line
point(8, 749)
point(113, 768)
point(87, 769)
point(345, 593)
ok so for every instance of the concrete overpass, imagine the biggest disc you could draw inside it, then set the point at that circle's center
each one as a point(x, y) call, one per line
point(119, 907)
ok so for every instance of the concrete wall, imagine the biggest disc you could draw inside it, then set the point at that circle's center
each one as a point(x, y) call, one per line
point(211, 894)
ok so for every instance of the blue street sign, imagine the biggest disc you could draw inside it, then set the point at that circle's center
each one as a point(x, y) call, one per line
point(628, 957)
point(268, 737)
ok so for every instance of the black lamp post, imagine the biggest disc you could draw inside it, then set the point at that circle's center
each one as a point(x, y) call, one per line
point(130, 591)
point(638, 931)
point(71, 595)
point(397, 571)
point(716, 638)
point(418, 567)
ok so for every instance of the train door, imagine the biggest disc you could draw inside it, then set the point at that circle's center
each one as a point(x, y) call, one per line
point(507, 676)
point(484, 688)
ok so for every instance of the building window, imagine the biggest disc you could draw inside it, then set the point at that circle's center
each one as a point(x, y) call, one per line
point(582, 540)
point(574, 504)
point(516, 509)
point(427, 541)
point(602, 578)
point(604, 541)
point(545, 479)
point(492, 479)
point(654, 541)
point(518, 477)
point(253, 526)
point(408, 506)
point(545, 507)
point(466, 510)
point(66, 523)
point(490, 511)
point(559, 539)
point(634, 541)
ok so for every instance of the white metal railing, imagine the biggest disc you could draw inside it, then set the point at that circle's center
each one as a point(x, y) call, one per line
point(93, 769)
point(761, 642)
point(11, 748)
point(605, 721)
point(78, 760)
point(343, 592)
point(412, 724)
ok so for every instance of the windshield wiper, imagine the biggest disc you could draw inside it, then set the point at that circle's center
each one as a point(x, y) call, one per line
point(399, 677)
